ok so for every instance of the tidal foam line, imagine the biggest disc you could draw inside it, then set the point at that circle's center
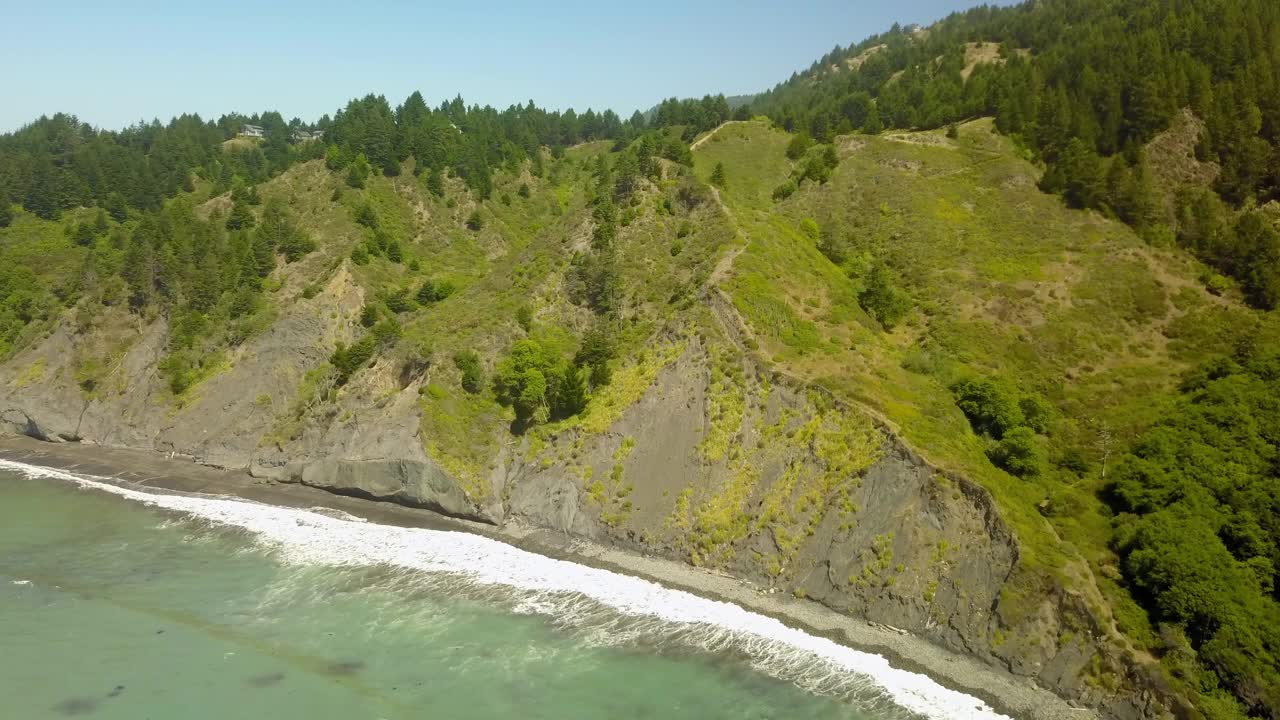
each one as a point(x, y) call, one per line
point(307, 537)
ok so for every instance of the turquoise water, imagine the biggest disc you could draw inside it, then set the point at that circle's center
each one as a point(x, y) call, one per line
point(111, 608)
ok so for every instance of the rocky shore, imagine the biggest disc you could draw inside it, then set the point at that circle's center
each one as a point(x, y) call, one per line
point(1015, 696)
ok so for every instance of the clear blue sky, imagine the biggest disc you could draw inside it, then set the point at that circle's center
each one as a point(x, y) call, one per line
point(113, 63)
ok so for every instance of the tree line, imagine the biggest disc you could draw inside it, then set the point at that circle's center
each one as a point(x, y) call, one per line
point(59, 163)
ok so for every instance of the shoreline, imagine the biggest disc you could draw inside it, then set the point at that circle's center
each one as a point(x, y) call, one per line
point(1010, 695)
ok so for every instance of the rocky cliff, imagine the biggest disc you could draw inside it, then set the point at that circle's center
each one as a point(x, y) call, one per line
point(703, 454)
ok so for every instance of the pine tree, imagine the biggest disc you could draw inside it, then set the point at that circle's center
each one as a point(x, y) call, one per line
point(873, 124)
point(1120, 187)
point(241, 217)
point(264, 253)
point(358, 171)
point(334, 159)
point(435, 182)
point(84, 234)
point(116, 207)
point(717, 176)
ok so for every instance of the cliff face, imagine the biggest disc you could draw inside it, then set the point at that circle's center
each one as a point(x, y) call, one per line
point(701, 454)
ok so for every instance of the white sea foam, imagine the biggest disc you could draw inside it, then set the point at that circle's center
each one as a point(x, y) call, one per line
point(558, 587)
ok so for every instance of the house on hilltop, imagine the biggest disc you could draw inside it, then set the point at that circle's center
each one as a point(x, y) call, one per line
point(248, 130)
point(305, 135)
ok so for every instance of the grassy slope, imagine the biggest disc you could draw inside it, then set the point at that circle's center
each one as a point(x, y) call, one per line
point(1007, 282)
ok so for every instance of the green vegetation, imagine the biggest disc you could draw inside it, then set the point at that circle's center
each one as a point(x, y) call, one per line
point(468, 363)
point(1103, 362)
point(1198, 531)
point(346, 360)
point(1023, 65)
point(717, 176)
point(1069, 331)
point(539, 383)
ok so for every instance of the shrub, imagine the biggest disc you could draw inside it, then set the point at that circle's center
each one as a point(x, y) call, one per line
point(360, 255)
point(399, 301)
point(524, 317)
point(433, 292)
point(1074, 460)
point(475, 222)
point(799, 145)
point(334, 159)
point(810, 229)
point(882, 298)
point(366, 216)
point(347, 359)
point(394, 252)
point(833, 243)
point(472, 375)
point(1035, 412)
point(386, 332)
point(992, 408)
point(435, 182)
point(1019, 452)
point(177, 369)
point(784, 191)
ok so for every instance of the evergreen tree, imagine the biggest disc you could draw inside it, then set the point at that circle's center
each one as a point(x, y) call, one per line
point(334, 159)
point(873, 125)
point(468, 362)
point(357, 172)
point(882, 298)
point(241, 217)
point(435, 182)
point(717, 176)
point(115, 206)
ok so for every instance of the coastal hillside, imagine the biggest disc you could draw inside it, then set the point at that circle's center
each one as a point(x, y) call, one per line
point(1008, 391)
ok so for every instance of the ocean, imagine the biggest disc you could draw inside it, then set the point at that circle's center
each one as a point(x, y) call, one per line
point(117, 603)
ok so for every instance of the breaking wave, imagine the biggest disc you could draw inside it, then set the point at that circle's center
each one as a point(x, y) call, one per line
point(598, 605)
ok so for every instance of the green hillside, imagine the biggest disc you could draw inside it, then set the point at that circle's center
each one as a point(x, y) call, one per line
point(1068, 309)
point(1027, 257)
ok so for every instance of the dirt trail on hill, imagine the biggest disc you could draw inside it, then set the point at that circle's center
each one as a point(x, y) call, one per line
point(698, 143)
